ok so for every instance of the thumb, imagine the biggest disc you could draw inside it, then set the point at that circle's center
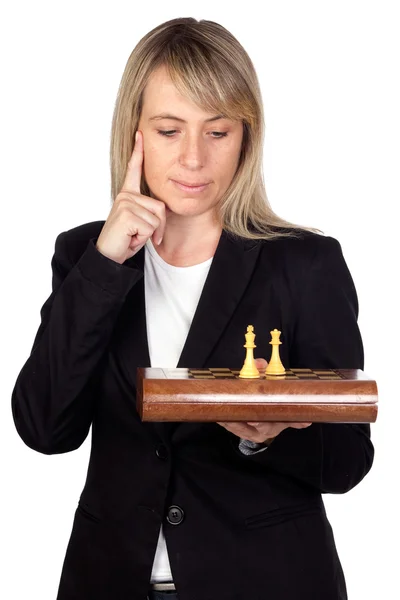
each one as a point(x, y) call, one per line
point(261, 363)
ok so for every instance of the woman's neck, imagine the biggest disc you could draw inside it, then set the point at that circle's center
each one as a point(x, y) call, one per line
point(188, 241)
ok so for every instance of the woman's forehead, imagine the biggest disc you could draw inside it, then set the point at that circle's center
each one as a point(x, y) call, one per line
point(163, 100)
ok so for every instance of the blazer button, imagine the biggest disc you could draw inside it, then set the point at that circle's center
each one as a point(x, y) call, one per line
point(162, 452)
point(175, 515)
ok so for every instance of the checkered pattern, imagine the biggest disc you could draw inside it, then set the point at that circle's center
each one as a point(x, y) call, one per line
point(221, 373)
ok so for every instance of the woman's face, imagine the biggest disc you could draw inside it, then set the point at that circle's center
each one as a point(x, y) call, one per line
point(196, 150)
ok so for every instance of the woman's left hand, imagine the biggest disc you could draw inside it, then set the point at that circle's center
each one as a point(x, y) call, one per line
point(260, 432)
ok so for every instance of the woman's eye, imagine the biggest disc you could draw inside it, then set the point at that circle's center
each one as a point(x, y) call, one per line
point(166, 133)
point(169, 133)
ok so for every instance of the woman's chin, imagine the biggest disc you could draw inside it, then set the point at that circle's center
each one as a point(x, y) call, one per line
point(186, 207)
point(185, 212)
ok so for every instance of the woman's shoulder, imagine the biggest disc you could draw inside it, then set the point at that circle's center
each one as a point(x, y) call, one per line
point(306, 256)
point(296, 244)
point(307, 242)
point(298, 255)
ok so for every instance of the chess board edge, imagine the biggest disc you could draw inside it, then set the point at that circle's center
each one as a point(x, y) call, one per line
point(352, 399)
point(297, 413)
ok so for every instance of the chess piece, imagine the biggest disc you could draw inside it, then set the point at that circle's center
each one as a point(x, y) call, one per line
point(249, 370)
point(275, 366)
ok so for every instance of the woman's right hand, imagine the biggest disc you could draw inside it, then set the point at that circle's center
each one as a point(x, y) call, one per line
point(133, 218)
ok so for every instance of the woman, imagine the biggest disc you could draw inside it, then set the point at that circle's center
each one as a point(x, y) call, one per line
point(190, 253)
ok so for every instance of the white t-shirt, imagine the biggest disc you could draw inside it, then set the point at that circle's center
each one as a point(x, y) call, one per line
point(171, 298)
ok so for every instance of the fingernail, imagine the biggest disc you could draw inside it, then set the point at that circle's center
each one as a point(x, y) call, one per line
point(159, 241)
point(136, 136)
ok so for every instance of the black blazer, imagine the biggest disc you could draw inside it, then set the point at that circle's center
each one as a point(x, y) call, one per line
point(244, 526)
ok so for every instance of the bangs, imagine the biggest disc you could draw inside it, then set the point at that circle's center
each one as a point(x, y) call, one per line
point(208, 81)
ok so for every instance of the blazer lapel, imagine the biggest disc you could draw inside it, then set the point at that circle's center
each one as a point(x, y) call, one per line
point(230, 271)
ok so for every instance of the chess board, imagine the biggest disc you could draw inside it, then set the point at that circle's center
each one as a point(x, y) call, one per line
point(219, 394)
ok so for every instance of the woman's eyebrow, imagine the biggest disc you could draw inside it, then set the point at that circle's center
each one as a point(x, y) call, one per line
point(168, 116)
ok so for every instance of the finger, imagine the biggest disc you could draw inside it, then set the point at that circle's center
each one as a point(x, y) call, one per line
point(134, 169)
point(145, 214)
point(300, 425)
point(159, 232)
point(261, 363)
point(239, 428)
point(157, 208)
point(140, 232)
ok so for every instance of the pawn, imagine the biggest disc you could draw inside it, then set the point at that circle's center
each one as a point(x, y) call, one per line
point(249, 370)
point(275, 366)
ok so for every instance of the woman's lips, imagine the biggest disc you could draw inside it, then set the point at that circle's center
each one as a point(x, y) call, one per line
point(190, 188)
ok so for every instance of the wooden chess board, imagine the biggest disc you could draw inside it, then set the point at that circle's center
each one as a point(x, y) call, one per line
point(219, 394)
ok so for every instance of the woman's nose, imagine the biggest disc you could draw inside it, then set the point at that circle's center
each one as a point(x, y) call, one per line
point(192, 152)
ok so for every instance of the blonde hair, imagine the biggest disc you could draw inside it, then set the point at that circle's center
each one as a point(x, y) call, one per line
point(210, 67)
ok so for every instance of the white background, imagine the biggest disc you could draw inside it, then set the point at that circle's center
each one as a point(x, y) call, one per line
point(329, 73)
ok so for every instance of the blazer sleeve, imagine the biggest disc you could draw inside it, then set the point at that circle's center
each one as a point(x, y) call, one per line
point(332, 458)
point(53, 397)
